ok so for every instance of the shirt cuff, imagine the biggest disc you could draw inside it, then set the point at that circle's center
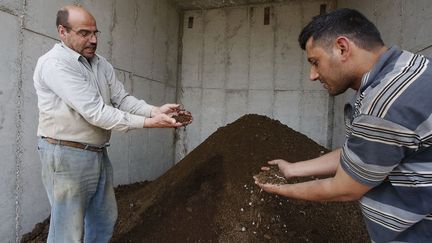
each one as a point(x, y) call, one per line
point(146, 110)
point(136, 121)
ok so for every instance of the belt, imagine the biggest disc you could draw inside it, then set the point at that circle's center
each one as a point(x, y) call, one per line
point(73, 144)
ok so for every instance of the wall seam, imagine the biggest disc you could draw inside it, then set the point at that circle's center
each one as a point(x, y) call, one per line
point(41, 34)
point(167, 79)
point(201, 68)
point(249, 19)
point(131, 78)
point(402, 11)
point(275, 24)
point(179, 58)
point(154, 36)
point(302, 73)
point(9, 11)
point(179, 134)
point(19, 128)
point(111, 29)
point(129, 135)
point(227, 61)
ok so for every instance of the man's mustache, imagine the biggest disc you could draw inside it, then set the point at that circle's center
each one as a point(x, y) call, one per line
point(92, 46)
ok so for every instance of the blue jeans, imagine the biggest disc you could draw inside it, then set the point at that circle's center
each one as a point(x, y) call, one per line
point(79, 184)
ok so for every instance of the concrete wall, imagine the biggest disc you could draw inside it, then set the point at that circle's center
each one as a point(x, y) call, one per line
point(140, 38)
point(401, 22)
point(9, 102)
point(233, 64)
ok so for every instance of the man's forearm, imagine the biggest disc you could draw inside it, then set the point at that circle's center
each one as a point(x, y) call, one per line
point(341, 187)
point(316, 190)
point(323, 165)
point(135, 106)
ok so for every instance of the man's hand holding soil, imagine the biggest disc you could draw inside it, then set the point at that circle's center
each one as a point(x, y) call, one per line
point(338, 186)
point(272, 179)
point(168, 115)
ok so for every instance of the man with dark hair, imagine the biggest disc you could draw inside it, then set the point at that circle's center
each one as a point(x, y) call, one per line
point(80, 100)
point(386, 160)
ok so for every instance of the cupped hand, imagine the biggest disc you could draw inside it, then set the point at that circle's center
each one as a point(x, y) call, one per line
point(284, 166)
point(161, 121)
point(165, 109)
point(270, 188)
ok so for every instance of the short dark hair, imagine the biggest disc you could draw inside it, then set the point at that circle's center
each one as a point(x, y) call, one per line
point(62, 17)
point(344, 21)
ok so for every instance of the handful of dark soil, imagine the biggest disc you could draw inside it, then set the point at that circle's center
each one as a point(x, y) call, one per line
point(183, 116)
point(271, 176)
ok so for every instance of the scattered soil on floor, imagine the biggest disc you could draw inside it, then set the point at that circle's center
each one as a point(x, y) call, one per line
point(210, 195)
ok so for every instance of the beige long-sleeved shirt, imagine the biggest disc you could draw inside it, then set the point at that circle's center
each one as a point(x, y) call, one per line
point(81, 101)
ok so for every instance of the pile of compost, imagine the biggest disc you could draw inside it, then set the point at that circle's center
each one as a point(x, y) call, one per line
point(210, 195)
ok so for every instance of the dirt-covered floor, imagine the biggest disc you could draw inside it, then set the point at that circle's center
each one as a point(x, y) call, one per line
point(210, 195)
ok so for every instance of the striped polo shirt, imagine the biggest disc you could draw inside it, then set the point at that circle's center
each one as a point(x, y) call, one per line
point(389, 132)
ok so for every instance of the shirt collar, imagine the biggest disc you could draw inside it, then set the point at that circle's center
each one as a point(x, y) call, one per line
point(78, 56)
point(370, 77)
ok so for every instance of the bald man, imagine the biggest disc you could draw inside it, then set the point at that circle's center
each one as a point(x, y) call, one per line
point(80, 101)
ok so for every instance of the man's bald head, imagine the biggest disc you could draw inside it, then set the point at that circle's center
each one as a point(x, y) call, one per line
point(77, 29)
point(68, 10)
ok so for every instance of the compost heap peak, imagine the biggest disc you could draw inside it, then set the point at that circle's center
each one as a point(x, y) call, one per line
point(210, 195)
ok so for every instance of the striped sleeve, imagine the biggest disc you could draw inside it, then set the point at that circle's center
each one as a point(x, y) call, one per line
point(375, 147)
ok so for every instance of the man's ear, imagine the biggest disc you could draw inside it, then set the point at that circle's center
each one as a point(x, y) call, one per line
point(61, 31)
point(343, 47)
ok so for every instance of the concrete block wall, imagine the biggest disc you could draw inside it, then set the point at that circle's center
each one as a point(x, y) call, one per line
point(140, 38)
point(401, 22)
point(10, 41)
point(234, 64)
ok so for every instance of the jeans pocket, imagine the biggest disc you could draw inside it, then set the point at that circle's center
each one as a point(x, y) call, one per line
point(58, 158)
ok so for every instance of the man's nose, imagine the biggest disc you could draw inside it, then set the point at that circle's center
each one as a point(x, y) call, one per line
point(313, 74)
point(93, 39)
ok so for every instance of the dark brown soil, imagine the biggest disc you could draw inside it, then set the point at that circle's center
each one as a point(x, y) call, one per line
point(182, 118)
point(210, 195)
point(271, 176)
